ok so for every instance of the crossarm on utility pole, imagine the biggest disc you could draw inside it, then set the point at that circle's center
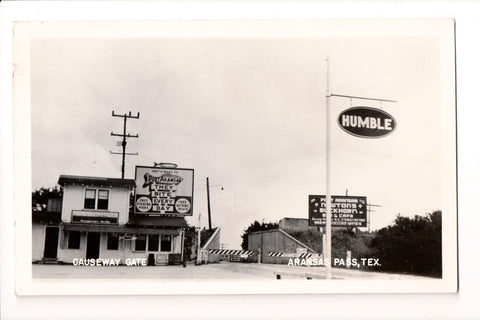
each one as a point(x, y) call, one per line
point(124, 136)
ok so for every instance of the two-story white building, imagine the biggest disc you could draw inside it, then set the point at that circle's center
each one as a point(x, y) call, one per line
point(96, 223)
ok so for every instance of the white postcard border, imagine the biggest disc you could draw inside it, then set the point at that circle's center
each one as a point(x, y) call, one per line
point(25, 285)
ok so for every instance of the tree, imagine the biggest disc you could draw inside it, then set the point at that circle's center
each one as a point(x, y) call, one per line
point(411, 245)
point(358, 243)
point(40, 197)
point(256, 226)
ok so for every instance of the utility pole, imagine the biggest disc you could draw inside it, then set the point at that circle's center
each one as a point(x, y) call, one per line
point(124, 136)
point(328, 198)
point(368, 213)
point(208, 202)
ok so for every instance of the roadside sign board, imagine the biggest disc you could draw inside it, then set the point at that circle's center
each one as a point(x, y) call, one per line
point(163, 191)
point(347, 211)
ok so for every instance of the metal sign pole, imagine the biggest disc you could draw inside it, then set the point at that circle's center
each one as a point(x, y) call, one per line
point(327, 240)
point(183, 244)
point(328, 214)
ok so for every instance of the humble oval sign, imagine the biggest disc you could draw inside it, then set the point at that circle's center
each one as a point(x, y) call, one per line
point(366, 122)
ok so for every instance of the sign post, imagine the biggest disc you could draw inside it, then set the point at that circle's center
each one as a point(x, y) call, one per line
point(328, 213)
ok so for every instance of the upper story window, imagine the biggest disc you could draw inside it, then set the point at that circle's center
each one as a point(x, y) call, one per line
point(90, 195)
point(102, 200)
point(91, 201)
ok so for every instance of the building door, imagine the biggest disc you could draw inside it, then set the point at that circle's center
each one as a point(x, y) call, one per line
point(93, 245)
point(51, 243)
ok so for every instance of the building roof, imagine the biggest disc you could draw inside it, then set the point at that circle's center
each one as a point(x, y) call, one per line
point(287, 218)
point(152, 221)
point(97, 181)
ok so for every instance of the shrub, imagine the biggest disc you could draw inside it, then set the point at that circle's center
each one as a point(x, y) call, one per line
point(411, 245)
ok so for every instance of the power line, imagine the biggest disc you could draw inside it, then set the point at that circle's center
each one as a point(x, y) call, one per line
point(124, 136)
point(357, 79)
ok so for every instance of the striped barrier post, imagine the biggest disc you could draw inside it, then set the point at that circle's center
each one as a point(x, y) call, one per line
point(290, 255)
point(232, 252)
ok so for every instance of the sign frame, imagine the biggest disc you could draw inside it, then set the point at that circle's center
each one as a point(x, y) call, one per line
point(311, 218)
point(377, 110)
point(149, 212)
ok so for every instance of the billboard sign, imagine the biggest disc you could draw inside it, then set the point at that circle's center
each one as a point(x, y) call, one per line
point(366, 122)
point(346, 211)
point(163, 191)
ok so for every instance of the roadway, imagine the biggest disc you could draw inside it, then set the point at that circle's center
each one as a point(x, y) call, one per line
point(223, 270)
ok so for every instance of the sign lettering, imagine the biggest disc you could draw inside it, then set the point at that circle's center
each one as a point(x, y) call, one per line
point(161, 191)
point(366, 122)
point(346, 211)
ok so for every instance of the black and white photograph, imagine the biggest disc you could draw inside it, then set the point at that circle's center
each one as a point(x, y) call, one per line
point(235, 156)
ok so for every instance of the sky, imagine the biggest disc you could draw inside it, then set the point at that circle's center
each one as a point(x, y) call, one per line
point(249, 113)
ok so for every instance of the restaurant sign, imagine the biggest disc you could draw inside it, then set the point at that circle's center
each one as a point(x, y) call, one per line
point(366, 122)
point(93, 216)
point(163, 191)
point(346, 211)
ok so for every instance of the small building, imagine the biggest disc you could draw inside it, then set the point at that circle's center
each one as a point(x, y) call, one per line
point(293, 225)
point(276, 245)
point(96, 223)
point(45, 231)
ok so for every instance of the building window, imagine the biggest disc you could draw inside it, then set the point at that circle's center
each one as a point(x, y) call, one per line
point(102, 200)
point(89, 199)
point(141, 242)
point(153, 242)
point(112, 241)
point(74, 240)
point(166, 243)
